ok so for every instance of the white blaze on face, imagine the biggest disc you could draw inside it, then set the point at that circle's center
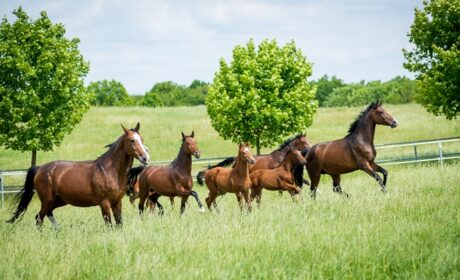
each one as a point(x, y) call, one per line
point(246, 150)
point(137, 138)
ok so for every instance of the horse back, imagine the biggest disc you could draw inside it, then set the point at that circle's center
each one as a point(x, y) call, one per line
point(333, 157)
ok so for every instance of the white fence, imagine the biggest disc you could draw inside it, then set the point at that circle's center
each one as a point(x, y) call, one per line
point(440, 156)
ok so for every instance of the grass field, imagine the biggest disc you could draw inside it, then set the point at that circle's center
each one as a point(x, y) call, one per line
point(412, 232)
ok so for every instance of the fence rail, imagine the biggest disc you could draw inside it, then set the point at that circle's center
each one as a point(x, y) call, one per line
point(440, 156)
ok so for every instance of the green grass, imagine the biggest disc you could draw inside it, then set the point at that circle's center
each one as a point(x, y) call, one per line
point(413, 232)
point(161, 129)
point(410, 233)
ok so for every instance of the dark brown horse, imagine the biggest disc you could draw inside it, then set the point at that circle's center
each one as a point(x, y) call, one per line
point(277, 179)
point(354, 152)
point(84, 183)
point(236, 180)
point(173, 180)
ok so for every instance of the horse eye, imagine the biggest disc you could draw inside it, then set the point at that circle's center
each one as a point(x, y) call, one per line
point(132, 141)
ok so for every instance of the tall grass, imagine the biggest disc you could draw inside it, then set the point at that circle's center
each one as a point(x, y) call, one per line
point(410, 233)
point(162, 127)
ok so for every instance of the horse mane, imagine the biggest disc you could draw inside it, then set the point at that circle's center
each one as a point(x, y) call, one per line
point(288, 141)
point(354, 125)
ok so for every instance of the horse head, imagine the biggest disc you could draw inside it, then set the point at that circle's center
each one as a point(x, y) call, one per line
point(245, 153)
point(134, 146)
point(190, 145)
point(380, 116)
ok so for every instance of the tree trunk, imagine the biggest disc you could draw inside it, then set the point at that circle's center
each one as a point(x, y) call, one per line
point(34, 158)
point(258, 146)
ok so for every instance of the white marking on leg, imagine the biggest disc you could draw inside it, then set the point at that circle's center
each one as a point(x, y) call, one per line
point(54, 222)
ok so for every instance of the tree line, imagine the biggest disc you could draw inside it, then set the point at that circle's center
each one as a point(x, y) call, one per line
point(330, 92)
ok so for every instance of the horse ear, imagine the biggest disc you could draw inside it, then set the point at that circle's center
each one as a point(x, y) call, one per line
point(193, 134)
point(183, 136)
point(125, 129)
point(138, 125)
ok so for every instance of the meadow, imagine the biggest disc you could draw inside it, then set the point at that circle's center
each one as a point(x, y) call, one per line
point(412, 232)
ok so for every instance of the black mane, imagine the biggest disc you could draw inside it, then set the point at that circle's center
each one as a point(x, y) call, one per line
point(354, 125)
point(288, 141)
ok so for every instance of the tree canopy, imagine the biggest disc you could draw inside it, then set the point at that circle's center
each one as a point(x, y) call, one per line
point(262, 95)
point(42, 96)
point(436, 56)
point(108, 93)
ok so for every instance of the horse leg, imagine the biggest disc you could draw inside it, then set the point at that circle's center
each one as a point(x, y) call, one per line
point(154, 202)
point(382, 170)
point(368, 169)
point(247, 200)
point(182, 204)
point(171, 199)
point(239, 198)
point(116, 210)
point(336, 185)
point(58, 202)
point(292, 189)
point(44, 209)
point(195, 195)
point(105, 209)
point(256, 192)
point(211, 199)
point(133, 197)
point(314, 172)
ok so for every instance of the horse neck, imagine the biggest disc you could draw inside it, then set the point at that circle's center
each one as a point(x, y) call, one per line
point(281, 153)
point(288, 161)
point(116, 159)
point(183, 162)
point(241, 168)
point(366, 130)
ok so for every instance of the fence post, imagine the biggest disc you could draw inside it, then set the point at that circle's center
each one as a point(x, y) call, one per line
point(440, 154)
point(415, 152)
point(1, 189)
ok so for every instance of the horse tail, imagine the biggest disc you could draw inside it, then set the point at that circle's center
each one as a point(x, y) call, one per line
point(200, 177)
point(24, 197)
point(225, 163)
point(133, 173)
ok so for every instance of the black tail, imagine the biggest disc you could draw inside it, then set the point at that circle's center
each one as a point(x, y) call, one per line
point(24, 197)
point(132, 177)
point(226, 162)
point(298, 172)
point(199, 177)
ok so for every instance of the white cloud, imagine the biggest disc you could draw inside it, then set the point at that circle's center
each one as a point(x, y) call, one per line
point(143, 42)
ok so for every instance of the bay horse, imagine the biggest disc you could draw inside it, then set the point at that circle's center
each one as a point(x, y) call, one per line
point(274, 159)
point(220, 180)
point(279, 178)
point(355, 151)
point(173, 180)
point(84, 183)
point(133, 191)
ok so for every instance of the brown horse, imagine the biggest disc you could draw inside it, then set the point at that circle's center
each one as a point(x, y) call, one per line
point(173, 180)
point(274, 159)
point(84, 183)
point(354, 152)
point(277, 179)
point(236, 180)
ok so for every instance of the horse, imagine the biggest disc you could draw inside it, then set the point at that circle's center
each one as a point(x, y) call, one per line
point(173, 180)
point(279, 178)
point(274, 159)
point(133, 191)
point(355, 151)
point(236, 180)
point(84, 183)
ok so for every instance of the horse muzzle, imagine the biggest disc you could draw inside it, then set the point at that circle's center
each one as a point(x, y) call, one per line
point(394, 124)
point(196, 154)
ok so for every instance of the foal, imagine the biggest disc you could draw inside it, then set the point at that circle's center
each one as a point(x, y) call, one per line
point(236, 180)
point(277, 179)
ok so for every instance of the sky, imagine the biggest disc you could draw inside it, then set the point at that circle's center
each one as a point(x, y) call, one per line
point(141, 42)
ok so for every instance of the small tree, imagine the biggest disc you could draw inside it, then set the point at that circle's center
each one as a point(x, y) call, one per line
point(436, 56)
point(108, 93)
point(263, 95)
point(42, 96)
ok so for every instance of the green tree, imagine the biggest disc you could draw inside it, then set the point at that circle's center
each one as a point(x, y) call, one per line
point(325, 86)
point(436, 56)
point(42, 96)
point(262, 95)
point(170, 93)
point(108, 93)
point(151, 99)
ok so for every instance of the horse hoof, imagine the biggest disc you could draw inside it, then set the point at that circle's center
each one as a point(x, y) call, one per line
point(202, 210)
